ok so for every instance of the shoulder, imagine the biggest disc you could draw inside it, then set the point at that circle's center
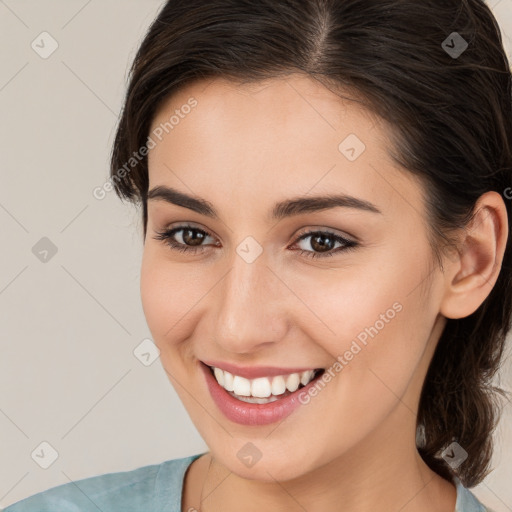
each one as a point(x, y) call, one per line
point(149, 488)
point(467, 501)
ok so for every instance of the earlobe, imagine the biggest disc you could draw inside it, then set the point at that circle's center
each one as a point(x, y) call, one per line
point(470, 277)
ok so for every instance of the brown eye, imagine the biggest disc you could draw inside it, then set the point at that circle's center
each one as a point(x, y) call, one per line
point(322, 243)
point(191, 236)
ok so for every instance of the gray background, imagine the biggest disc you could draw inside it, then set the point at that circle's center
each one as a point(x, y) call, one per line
point(70, 324)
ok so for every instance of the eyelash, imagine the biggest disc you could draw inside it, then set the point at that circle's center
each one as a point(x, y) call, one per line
point(166, 237)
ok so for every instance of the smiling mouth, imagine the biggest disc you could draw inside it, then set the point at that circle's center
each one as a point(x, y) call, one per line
point(263, 390)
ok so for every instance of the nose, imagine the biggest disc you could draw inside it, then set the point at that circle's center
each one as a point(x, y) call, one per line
point(251, 308)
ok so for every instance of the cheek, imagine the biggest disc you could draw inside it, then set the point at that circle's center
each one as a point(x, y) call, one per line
point(369, 317)
point(378, 339)
point(152, 292)
point(171, 296)
point(163, 290)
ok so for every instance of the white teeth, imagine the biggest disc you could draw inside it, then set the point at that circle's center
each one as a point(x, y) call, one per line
point(228, 381)
point(292, 382)
point(253, 400)
point(278, 385)
point(219, 375)
point(262, 387)
point(306, 376)
point(241, 386)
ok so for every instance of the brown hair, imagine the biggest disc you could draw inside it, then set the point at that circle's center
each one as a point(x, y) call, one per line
point(450, 115)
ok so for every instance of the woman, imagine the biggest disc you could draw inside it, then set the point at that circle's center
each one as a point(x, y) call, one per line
point(325, 189)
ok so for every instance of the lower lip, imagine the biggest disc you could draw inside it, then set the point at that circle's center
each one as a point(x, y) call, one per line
point(252, 414)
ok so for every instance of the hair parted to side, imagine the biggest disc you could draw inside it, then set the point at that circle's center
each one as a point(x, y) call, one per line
point(450, 121)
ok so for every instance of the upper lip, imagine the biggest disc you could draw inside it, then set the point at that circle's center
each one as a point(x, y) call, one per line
point(253, 372)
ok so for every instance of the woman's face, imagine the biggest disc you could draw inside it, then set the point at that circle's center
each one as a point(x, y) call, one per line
point(249, 297)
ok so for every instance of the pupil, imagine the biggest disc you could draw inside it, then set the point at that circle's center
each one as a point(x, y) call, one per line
point(192, 240)
point(322, 246)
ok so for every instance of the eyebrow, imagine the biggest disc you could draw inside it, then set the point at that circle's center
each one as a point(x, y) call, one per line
point(282, 209)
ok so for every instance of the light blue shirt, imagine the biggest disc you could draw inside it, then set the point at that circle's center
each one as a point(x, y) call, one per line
point(155, 488)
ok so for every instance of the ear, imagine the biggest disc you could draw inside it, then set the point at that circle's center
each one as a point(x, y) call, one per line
point(471, 275)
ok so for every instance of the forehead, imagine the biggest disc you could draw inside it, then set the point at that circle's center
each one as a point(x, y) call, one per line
point(285, 100)
point(282, 136)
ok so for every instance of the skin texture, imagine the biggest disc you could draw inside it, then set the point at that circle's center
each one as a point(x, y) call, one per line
point(243, 148)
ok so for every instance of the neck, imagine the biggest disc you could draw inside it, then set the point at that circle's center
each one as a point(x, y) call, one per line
point(382, 473)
